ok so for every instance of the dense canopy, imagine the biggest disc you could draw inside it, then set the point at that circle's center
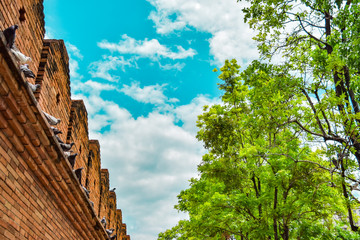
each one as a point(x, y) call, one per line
point(283, 145)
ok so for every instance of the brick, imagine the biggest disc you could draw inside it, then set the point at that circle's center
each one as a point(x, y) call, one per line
point(4, 90)
point(3, 122)
point(40, 198)
point(11, 102)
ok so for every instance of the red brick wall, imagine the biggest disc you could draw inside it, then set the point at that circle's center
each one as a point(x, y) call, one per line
point(31, 31)
point(123, 232)
point(93, 175)
point(112, 210)
point(40, 197)
point(118, 222)
point(78, 133)
point(53, 76)
point(104, 194)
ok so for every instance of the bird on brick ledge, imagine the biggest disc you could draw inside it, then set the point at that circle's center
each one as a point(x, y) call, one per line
point(27, 72)
point(55, 130)
point(20, 57)
point(71, 159)
point(58, 139)
point(87, 192)
point(78, 173)
point(10, 34)
point(112, 190)
point(110, 231)
point(66, 147)
point(68, 153)
point(51, 119)
point(103, 222)
point(32, 86)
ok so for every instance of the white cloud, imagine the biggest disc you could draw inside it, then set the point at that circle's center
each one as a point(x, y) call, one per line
point(166, 25)
point(188, 113)
point(177, 66)
point(92, 87)
point(48, 33)
point(149, 94)
point(153, 160)
point(102, 68)
point(74, 58)
point(74, 68)
point(146, 48)
point(231, 37)
point(73, 50)
point(150, 158)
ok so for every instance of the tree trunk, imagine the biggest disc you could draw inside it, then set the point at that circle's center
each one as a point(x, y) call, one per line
point(275, 218)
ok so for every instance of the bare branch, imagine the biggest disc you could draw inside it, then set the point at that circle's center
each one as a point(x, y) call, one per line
point(314, 111)
point(306, 31)
point(323, 113)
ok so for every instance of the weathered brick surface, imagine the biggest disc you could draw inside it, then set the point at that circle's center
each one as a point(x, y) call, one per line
point(31, 29)
point(53, 76)
point(123, 232)
point(118, 222)
point(78, 133)
point(93, 176)
point(112, 210)
point(40, 197)
point(104, 194)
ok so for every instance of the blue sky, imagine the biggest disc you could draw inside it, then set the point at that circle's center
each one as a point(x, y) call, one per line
point(144, 70)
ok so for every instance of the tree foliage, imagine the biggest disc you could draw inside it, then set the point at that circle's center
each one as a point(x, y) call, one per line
point(283, 146)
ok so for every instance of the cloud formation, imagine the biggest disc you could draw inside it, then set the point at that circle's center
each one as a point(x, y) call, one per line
point(146, 48)
point(150, 158)
point(149, 94)
point(101, 69)
point(176, 66)
point(74, 58)
point(231, 37)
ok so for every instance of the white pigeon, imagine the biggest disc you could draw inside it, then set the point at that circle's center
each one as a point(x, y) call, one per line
point(20, 56)
point(51, 119)
point(32, 86)
point(67, 153)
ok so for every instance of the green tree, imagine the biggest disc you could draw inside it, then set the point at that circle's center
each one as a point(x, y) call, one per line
point(283, 147)
point(259, 180)
point(319, 40)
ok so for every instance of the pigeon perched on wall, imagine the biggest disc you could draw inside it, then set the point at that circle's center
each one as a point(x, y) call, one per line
point(103, 222)
point(110, 231)
point(58, 139)
point(78, 173)
point(87, 192)
point(113, 237)
point(51, 120)
point(112, 190)
point(71, 159)
point(10, 34)
point(20, 57)
point(55, 130)
point(32, 86)
point(66, 147)
point(67, 153)
point(27, 72)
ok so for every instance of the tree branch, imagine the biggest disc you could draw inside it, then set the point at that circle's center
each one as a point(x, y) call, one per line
point(314, 111)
